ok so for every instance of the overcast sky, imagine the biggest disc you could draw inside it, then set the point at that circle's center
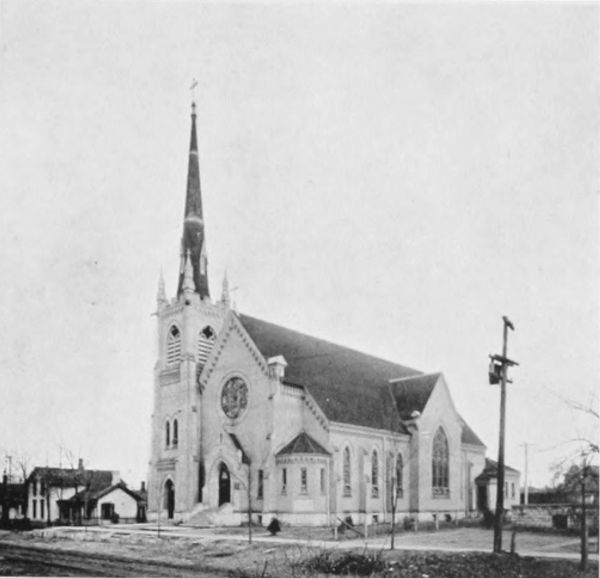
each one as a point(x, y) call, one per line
point(391, 177)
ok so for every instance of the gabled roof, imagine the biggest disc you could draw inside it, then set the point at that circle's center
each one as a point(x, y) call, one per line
point(468, 435)
point(349, 386)
point(97, 493)
point(74, 477)
point(491, 470)
point(412, 393)
point(303, 444)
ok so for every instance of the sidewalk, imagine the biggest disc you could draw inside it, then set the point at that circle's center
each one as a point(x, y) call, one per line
point(460, 540)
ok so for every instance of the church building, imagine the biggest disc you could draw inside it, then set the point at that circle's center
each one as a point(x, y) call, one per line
point(252, 416)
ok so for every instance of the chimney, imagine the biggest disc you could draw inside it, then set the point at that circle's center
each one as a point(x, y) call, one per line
point(143, 488)
point(80, 465)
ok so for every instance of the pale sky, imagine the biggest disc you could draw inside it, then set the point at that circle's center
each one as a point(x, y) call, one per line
point(391, 177)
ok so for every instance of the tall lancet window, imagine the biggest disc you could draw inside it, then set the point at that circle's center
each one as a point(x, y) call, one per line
point(440, 465)
point(399, 476)
point(173, 345)
point(175, 433)
point(346, 472)
point(375, 475)
point(167, 434)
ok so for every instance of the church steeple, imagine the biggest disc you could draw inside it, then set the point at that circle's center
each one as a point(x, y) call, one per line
point(193, 240)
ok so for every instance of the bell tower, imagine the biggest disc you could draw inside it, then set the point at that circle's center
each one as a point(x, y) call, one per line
point(188, 326)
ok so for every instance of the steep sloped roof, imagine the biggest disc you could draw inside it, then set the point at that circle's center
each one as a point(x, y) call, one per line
point(74, 477)
point(97, 493)
point(349, 386)
point(491, 470)
point(468, 435)
point(303, 444)
point(412, 393)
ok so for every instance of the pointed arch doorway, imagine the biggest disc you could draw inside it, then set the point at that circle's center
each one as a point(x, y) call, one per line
point(224, 484)
point(169, 497)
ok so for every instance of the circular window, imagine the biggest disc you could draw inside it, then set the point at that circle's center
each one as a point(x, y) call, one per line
point(234, 397)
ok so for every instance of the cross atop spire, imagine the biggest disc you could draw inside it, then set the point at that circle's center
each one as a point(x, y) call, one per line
point(193, 240)
point(193, 89)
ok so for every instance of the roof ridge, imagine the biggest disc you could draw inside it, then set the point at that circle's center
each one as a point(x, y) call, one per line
point(416, 376)
point(325, 341)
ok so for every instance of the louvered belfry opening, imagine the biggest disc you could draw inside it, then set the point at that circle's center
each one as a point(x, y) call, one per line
point(206, 340)
point(173, 345)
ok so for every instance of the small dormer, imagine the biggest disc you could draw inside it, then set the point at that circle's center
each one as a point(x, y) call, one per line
point(277, 367)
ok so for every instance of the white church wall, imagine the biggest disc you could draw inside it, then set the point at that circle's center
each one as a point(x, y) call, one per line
point(363, 502)
point(253, 427)
point(304, 498)
point(440, 412)
point(176, 397)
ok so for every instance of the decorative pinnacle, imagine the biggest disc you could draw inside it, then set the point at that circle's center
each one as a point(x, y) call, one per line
point(161, 294)
point(225, 291)
point(188, 274)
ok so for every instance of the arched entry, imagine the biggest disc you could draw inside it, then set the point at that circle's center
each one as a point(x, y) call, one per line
point(169, 498)
point(224, 485)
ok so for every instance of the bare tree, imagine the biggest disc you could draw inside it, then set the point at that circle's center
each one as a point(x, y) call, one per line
point(579, 466)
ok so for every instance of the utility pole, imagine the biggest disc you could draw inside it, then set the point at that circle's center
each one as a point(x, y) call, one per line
point(498, 373)
point(249, 504)
point(526, 485)
point(584, 537)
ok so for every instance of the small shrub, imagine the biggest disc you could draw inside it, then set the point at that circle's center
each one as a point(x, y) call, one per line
point(346, 563)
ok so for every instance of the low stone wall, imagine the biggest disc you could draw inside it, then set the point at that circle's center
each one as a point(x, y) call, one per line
point(559, 516)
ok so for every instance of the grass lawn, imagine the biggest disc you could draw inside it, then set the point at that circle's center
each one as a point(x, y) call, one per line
point(233, 559)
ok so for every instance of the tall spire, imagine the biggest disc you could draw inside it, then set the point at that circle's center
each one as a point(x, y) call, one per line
point(193, 240)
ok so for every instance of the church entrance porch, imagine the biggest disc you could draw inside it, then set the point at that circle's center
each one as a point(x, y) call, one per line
point(169, 497)
point(224, 485)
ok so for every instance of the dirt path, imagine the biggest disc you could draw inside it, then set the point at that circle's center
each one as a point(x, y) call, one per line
point(39, 561)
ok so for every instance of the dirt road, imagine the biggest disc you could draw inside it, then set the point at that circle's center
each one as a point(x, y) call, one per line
point(18, 560)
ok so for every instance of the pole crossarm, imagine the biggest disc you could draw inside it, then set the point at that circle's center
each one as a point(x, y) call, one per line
point(502, 359)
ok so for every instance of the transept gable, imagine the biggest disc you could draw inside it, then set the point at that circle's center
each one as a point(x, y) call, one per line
point(231, 326)
point(411, 394)
point(440, 401)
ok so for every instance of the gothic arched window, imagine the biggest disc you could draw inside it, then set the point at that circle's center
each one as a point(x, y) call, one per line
point(175, 433)
point(206, 339)
point(346, 472)
point(173, 345)
point(440, 464)
point(375, 474)
point(399, 476)
point(167, 434)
